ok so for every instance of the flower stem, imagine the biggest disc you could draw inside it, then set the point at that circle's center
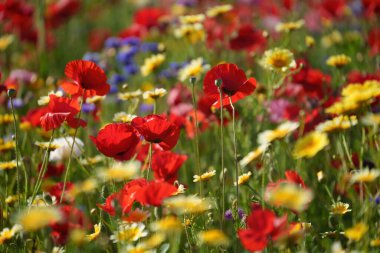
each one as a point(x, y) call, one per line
point(222, 155)
point(42, 172)
point(235, 152)
point(196, 139)
point(71, 151)
point(17, 154)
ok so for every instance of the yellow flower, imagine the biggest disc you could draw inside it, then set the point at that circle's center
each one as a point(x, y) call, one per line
point(123, 117)
point(253, 155)
point(337, 123)
point(93, 236)
point(289, 196)
point(129, 95)
point(168, 224)
point(371, 119)
point(194, 69)
point(244, 178)
point(332, 39)
point(129, 232)
point(91, 160)
point(205, 176)
point(290, 26)
point(153, 241)
point(152, 63)
point(214, 237)
point(44, 100)
point(338, 61)
point(155, 94)
point(7, 233)
point(278, 59)
point(187, 204)
point(8, 145)
point(356, 232)
point(365, 176)
point(25, 126)
point(343, 106)
point(309, 41)
point(120, 171)
point(12, 198)
point(6, 119)
point(38, 217)
point(191, 19)
point(192, 32)
point(87, 186)
point(375, 242)
point(43, 200)
point(5, 41)
point(218, 10)
point(279, 133)
point(45, 145)
point(340, 208)
point(310, 145)
point(8, 165)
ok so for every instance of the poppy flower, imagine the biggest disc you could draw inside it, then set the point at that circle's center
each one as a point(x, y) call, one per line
point(166, 164)
point(59, 11)
point(154, 193)
point(157, 129)
point(234, 83)
point(294, 177)
point(374, 40)
point(148, 17)
point(117, 140)
point(87, 79)
point(56, 191)
point(61, 109)
point(73, 219)
point(34, 116)
point(124, 198)
point(248, 38)
point(262, 225)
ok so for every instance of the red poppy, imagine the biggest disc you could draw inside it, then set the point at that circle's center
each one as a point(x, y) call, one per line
point(53, 170)
point(59, 11)
point(294, 177)
point(371, 7)
point(154, 193)
point(166, 164)
point(234, 83)
point(248, 38)
point(149, 17)
point(331, 9)
point(374, 40)
point(56, 191)
point(34, 116)
point(73, 219)
point(123, 199)
point(203, 123)
point(262, 225)
point(117, 140)
point(61, 109)
point(157, 129)
point(88, 79)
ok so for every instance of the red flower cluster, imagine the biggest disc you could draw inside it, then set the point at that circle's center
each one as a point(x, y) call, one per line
point(166, 164)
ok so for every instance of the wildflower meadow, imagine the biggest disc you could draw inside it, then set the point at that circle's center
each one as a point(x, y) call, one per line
point(154, 126)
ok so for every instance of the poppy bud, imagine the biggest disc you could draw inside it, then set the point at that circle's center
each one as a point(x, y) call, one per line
point(12, 93)
point(193, 80)
point(218, 82)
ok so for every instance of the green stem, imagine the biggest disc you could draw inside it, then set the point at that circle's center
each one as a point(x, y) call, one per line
point(43, 170)
point(235, 152)
point(222, 156)
point(16, 150)
point(71, 150)
point(196, 139)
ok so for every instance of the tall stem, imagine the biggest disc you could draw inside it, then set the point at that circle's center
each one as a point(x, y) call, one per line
point(16, 150)
point(222, 155)
point(71, 150)
point(196, 139)
point(150, 154)
point(42, 172)
point(235, 152)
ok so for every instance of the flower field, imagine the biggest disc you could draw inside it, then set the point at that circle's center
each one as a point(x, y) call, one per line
point(189, 126)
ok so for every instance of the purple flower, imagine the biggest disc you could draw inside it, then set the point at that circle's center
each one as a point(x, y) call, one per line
point(228, 214)
point(17, 103)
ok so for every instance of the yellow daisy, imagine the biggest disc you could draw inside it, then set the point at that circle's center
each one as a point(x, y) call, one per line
point(278, 59)
point(340, 208)
point(205, 176)
point(309, 145)
point(279, 133)
point(356, 232)
point(214, 237)
point(337, 123)
point(152, 63)
point(365, 176)
point(338, 61)
point(253, 155)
